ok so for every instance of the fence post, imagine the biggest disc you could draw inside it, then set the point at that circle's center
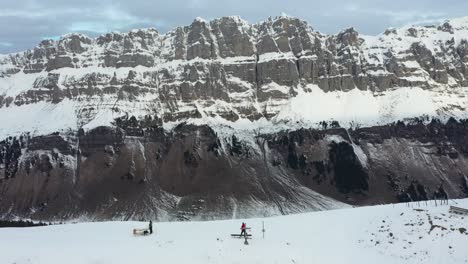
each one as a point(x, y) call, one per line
point(263, 229)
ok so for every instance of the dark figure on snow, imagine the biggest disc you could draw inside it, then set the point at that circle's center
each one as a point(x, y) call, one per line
point(150, 227)
point(243, 230)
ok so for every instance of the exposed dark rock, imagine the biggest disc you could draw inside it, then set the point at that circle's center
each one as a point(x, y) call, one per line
point(293, 160)
point(190, 162)
point(50, 142)
point(100, 137)
point(349, 173)
point(465, 184)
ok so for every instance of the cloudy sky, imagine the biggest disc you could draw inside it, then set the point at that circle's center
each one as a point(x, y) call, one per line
point(25, 22)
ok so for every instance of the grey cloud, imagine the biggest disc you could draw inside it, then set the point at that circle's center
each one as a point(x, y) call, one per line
point(26, 22)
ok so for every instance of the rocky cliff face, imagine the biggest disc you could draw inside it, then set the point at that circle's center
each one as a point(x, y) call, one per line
point(138, 171)
point(221, 118)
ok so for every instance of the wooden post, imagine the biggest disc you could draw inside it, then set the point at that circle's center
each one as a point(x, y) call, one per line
point(263, 229)
point(245, 236)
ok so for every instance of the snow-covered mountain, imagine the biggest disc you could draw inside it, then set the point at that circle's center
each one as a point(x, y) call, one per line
point(380, 234)
point(230, 69)
point(93, 126)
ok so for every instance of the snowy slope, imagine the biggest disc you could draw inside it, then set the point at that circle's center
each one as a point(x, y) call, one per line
point(355, 107)
point(419, 233)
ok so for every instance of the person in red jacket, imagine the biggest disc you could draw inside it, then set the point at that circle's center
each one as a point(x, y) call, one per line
point(243, 230)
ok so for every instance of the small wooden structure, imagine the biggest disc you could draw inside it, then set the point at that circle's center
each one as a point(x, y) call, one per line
point(458, 210)
point(141, 231)
point(246, 236)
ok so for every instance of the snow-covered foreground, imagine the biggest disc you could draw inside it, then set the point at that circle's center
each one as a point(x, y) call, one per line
point(381, 234)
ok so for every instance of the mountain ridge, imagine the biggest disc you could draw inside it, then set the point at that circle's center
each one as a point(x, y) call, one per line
point(229, 68)
point(458, 21)
point(220, 119)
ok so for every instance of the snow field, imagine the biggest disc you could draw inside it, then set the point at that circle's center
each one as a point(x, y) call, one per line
point(380, 234)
